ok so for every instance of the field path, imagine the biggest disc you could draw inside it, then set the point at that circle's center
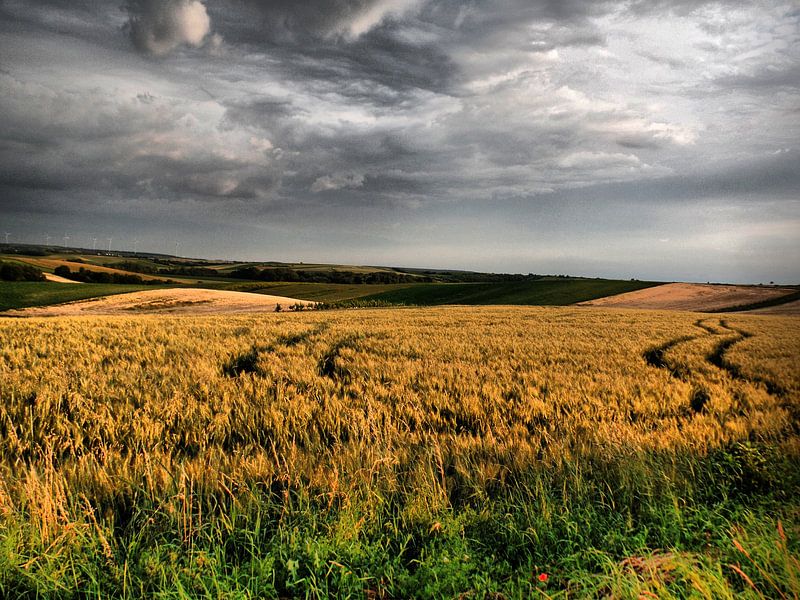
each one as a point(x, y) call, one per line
point(692, 296)
point(184, 301)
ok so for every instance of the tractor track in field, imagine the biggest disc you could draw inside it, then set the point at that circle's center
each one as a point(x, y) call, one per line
point(718, 359)
point(247, 361)
point(327, 365)
point(655, 357)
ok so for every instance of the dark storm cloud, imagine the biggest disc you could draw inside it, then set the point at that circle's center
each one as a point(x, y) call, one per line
point(287, 20)
point(411, 119)
point(137, 146)
point(86, 19)
point(302, 42)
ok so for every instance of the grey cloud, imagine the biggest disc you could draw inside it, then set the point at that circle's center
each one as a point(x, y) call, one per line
point(476, 16)
point(380, 66)
point(325, 118)
point(638, 142)
point(263, 113)
point(669, 61)
point(680, 7)
point(773, 176)
point(98, 22)
point(128, 145)
point(766, 79)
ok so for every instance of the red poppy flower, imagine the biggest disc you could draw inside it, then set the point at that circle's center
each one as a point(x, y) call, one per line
point(542, 577)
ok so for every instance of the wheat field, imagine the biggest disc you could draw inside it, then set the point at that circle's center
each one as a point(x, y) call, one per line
point(428, 453)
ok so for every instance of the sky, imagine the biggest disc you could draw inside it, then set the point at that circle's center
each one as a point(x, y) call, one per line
point(639, 138)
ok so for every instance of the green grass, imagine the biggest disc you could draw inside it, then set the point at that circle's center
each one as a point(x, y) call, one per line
point(41, 293)
point(544, 292)
point(630, 528)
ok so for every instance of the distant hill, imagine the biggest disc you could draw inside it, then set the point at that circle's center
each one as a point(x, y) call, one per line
point(308, 281)
point(162, 265)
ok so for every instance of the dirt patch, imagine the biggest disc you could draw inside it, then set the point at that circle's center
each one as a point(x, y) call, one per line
point(59, 279)
point(691, 296)
point(164, 305)
point(184, 301)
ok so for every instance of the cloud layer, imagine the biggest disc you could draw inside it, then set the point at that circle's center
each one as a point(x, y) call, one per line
point(532, 136)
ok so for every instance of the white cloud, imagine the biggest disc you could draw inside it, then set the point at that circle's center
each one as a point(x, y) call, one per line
point(375, 13)
point(597, 160)
point(158, 27)
point(337, 182)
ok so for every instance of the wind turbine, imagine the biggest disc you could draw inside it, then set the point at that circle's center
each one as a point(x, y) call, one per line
point(176, 247)
point(135, 244)
point(46, 239)
point(94, 244)
point(109, 244)
point(7, 234)
point(66, 239)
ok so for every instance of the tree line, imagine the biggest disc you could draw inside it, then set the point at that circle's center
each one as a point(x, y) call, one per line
point(305, 276)
point(18, 272)
point(86, 276)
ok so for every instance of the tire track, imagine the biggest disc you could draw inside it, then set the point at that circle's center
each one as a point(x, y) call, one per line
point(699, 397)
point(717, 355)
point(718, 359)
point(655, 356)
point(247, 362)
point(327, 365)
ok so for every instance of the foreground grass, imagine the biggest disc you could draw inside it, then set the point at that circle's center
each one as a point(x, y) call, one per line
point(41, 293)
point(541, 292)
point(435, 453)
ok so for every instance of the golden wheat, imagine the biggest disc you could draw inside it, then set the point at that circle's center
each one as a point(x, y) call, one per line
point(356, 403)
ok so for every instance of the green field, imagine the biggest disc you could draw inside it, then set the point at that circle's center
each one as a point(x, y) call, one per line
point(449, 288)
point(20, 294)
point(538, 292)
point(318, 292)
point(543, 292)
